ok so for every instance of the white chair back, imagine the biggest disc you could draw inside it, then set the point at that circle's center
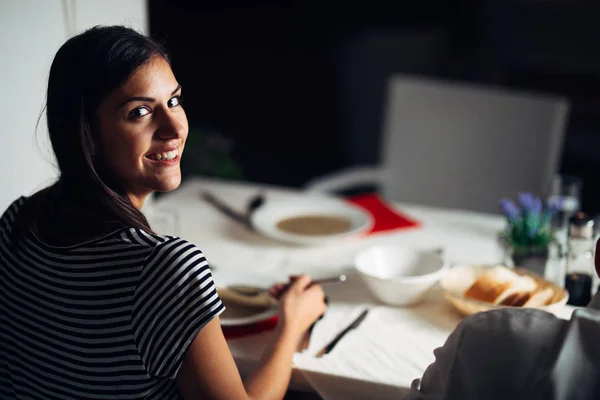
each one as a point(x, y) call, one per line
point(465, 147)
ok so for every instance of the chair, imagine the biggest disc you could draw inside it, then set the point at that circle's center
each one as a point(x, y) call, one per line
point(461, 146)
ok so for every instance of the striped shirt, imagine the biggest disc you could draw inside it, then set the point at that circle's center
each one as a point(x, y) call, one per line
point(110, 318)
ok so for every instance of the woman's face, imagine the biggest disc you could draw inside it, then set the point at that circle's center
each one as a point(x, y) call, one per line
point(143, 129)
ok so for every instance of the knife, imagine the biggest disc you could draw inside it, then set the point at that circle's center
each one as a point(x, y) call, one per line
point(225, 209)
point(327, 349)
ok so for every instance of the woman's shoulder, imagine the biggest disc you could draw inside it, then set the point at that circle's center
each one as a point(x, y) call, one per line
point(9, 216)
point(13, 209)
point(159, 246)
point(142, 237)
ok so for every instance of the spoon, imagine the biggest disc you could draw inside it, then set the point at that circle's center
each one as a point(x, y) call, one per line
point(240, 217)
point(254, 203)
point(256, 291)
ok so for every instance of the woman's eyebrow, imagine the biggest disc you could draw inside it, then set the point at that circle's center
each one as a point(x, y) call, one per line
point(137, 98)
point(146, 99)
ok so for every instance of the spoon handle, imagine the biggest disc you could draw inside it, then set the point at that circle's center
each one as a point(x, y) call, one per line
point(333, 279)
point(255, 291)
point(227, 210)
point(324, 281)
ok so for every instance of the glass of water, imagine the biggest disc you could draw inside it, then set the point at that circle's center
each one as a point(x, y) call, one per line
point(569, 188)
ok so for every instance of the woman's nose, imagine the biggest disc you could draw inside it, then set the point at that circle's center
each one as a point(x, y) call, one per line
point(172, 125)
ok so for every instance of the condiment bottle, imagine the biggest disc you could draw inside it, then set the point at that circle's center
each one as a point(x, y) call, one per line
point(580, 259)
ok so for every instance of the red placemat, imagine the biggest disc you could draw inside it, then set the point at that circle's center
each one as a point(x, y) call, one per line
point(232, 332)
point(385, 217)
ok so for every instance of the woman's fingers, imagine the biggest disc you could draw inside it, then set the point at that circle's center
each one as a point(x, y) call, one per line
point(301, 283)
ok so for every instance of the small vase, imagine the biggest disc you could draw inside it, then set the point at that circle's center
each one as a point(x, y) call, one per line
point(533, 259)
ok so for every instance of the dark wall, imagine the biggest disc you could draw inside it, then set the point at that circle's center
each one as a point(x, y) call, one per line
point(298, 86)
point(267, 75)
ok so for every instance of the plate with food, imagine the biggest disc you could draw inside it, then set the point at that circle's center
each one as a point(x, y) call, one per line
point(311, 220)
point(475, 288)
point(245, 296)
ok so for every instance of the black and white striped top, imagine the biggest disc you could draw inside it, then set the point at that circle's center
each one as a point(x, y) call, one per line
point(107, 319)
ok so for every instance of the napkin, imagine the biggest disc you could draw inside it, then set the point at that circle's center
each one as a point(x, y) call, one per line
point(379, 359)
point(385, 217)
point(232, 332)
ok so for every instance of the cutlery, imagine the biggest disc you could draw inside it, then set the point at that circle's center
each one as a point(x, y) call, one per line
point(256, 291)
point(243, 218)
point(327, 349)
point(254, 203)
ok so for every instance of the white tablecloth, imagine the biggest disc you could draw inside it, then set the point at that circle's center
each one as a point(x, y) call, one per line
point(393, 345)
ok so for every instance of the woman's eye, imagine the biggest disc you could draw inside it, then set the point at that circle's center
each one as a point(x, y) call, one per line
point(139, 112)
point(174, 101)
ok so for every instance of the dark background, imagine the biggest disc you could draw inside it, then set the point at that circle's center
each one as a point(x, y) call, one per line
point(297, 86)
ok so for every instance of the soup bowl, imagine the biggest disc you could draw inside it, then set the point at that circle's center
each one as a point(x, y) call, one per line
point(399, 275)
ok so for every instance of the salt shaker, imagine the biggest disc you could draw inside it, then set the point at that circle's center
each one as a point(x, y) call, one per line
point(580, 259)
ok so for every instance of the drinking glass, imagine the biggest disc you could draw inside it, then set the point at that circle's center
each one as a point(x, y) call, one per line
point(569, 188)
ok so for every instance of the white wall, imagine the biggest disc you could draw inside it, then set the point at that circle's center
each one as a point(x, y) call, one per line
point(132, 13)
point(31, 32)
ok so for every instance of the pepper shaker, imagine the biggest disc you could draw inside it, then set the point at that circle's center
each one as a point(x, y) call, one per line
point(580, 259)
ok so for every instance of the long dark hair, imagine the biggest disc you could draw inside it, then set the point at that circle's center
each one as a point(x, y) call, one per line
point(84, 71)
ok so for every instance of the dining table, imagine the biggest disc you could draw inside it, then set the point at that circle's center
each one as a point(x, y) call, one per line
point(393, 345)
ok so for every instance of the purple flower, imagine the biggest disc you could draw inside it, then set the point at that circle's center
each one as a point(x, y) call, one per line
point(509, 209)
point(529, 203)
point(537, 205)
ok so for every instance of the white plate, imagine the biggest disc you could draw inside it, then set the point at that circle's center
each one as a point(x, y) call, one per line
point(224, 278)
point(265, 219)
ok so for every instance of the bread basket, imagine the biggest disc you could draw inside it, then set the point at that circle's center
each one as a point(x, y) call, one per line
point(459, 278)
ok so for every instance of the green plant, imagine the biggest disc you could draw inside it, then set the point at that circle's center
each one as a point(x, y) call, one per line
point(209, 154)
point(530, 223)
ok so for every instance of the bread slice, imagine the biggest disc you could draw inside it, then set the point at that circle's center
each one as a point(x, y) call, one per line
point(500, 285)
point(522, 285)
point(487, 289)
point(540, 297)
point(516, 299)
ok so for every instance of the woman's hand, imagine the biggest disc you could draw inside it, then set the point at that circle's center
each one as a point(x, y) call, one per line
point(300, 303)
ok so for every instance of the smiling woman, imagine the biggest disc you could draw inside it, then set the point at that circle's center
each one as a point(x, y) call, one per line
point(143, 127)
point(93, 303)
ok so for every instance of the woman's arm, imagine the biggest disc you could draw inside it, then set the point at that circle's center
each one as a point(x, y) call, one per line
point(209, 371)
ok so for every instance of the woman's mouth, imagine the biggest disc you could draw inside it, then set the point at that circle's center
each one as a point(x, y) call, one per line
point(170, 157)
point(166, 155)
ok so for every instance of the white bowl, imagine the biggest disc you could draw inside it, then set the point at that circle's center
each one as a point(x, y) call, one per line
point(399, 275)
point(265, 218)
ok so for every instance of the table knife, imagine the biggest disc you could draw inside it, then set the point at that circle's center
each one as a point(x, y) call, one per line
point(327, 349)
point(227, 210)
